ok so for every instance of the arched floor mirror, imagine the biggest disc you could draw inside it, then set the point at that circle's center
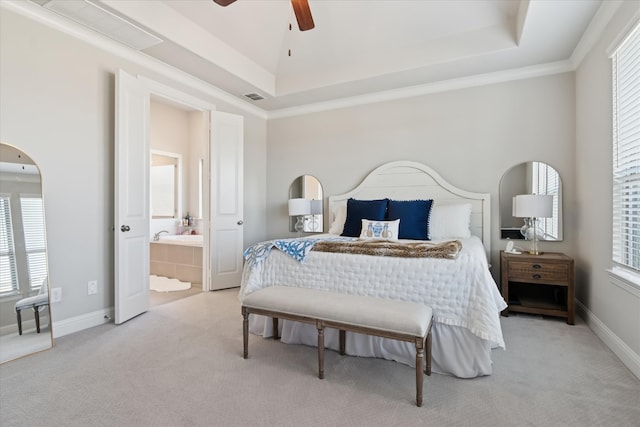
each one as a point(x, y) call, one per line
point(25, 315)
point(531, 178)
point(307, 188)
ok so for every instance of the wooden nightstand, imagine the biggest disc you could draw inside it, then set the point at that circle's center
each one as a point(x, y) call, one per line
point(538, 284)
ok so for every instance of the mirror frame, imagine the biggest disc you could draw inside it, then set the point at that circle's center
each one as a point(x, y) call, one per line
point(505, 202)
point(298, 189)
point(21, 349)
point(177, 194)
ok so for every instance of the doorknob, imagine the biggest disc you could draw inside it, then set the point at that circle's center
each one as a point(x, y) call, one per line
point(240, 222)
point(125, 228)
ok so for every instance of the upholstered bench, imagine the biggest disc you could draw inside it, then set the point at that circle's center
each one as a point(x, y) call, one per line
point(399, 320)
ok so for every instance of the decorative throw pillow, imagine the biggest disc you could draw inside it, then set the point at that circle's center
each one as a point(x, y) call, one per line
point(339, 217)
point(362, 209)
point(450, 221)
point(384, 230)
point(413, 216)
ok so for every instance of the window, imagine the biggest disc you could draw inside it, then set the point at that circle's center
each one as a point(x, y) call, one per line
point(34, 239)
point(626, 152)
point(8, 271)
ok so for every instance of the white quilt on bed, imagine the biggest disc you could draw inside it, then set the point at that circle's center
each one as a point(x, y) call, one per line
point(461, 292)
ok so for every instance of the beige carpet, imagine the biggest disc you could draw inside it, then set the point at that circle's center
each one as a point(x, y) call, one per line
point(181, 364)
point(158, 298)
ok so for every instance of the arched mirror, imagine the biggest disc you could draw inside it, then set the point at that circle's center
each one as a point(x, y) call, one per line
point(307, 188)
point(531, 178)
point(25, 316)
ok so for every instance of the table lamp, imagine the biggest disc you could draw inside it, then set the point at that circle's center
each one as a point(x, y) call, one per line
point(299, 208)
point(531, 207)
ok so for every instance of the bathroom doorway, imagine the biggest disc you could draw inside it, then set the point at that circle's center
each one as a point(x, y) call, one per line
point(178, 149)
point(222, 183)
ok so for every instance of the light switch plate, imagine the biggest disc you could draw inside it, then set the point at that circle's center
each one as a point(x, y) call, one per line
point(56, 294)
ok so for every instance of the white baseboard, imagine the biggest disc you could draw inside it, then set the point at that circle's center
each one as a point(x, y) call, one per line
point(79, 323)
point(628, 357)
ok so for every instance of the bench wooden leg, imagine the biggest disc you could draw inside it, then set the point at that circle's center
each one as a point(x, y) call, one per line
point(245, 332)
point(342, 342)
point(419, 367)
point(274, 323)
point(320, 327)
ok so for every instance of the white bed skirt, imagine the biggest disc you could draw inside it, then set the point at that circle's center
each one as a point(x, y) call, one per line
point(467, 356)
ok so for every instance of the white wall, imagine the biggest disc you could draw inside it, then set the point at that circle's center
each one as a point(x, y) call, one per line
point(612, 311)
point(470, 136)
point(57, 104)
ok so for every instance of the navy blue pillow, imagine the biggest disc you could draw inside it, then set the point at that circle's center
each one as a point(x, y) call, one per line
point(413, 216)
point(357, 210)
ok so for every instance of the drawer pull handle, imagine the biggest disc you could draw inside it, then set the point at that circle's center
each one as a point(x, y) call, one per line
point(536, 276)
point(537, 266)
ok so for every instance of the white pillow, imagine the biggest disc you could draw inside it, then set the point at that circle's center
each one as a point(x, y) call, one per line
point(380, 230)
point(450, 221)
point(339, 218)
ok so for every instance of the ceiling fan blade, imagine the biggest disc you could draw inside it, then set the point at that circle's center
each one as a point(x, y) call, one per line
point(224, 2)
point(303, 14)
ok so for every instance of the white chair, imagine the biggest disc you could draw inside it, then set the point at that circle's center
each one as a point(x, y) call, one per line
point(36, 302)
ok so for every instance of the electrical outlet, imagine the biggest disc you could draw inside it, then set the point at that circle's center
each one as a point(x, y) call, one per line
point(92, 287)
point(56, 294)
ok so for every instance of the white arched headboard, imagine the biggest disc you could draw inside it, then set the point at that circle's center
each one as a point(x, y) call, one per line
point(407, 180)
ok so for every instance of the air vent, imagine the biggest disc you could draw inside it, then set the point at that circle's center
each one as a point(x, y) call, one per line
point(101, 20)
point(254, 96)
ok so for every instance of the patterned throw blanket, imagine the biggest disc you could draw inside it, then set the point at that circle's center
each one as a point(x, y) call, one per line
point(447, 250)
point(295, 248)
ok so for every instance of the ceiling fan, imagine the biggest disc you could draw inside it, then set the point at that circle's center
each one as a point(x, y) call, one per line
point(300, 7)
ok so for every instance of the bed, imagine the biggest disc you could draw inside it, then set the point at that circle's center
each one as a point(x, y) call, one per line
point(462, 293)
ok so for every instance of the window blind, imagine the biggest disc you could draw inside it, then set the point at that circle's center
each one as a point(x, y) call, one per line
point(545, 180)
point(626, 151)
point(8, 271)
point(34, 239)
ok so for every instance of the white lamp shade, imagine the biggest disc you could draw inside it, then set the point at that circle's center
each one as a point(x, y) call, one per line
point(299, 207)
point(316, 207)
point(533, 206)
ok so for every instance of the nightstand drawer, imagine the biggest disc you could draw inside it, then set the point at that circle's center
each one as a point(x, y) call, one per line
point(534, 271)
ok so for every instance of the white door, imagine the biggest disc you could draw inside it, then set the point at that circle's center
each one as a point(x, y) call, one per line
point(131, 198)
point(226, 202)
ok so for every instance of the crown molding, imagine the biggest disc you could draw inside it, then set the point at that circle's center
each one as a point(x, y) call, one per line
point(52, 20)
point(595, 29)
point(429, 88)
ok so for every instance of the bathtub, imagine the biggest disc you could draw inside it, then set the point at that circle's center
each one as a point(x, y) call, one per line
point(181, 239)
point(178, 257)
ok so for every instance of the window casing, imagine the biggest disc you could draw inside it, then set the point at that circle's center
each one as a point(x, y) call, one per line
point(626, 152)
point(34, 239)
point(545, 180)
point(22, 224)
point(8, 270)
